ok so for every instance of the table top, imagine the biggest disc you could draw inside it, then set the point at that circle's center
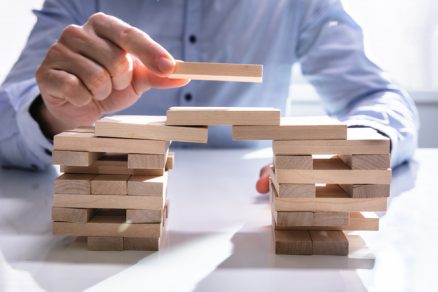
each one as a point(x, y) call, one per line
point(218, 236)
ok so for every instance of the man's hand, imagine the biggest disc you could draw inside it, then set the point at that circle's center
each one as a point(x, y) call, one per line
point(100, 67)
point(262, 184)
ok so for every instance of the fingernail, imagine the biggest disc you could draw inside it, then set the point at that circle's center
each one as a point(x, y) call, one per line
point(165, 65)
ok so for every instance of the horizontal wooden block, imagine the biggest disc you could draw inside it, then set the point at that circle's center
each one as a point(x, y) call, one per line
point(74, 158)
point(363, 221)
point(105, 243)
point(285, 190)
point(329, 242)
point(367, 161)
point(110, 184)
point(147, 161)
point(148, 127)
point(359, 141)
point(367, 191)
point(79, 184)
point(293, 162)
point(218, 72)
point(144, 216)
point(214, 116)
point(292, 242)
point(147, 185)
point(82, 130)
point(294, 128)
point(74, 215)
point(108, 201)
point(170, 160)
point(113, 226)
point(330, 198)
point(333, 171)
point(74, 141)
point(133, 243)
point(311, 218)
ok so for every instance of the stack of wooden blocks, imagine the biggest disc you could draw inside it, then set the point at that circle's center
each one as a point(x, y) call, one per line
point(113, 186)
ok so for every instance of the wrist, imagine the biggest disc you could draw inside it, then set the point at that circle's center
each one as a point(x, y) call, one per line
point(48, 124)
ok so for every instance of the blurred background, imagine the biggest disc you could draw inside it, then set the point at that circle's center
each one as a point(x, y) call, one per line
point(401, 36)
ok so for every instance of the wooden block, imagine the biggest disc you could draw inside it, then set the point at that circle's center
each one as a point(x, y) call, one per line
point(74, 141)
point(367, 161)
point(292, 190)
point(329, 242)
point(170, 161)
point(74, 215)
point(333, 171)
point(218, 72)
point(293, 161)
point(367, 191)
point(110, 184)
point(144, 216)
point(105, 243)
point(311, 218)
point(82, 130)
point(148, 127)
point(359, 141)
point(147, 185)
point(330, 218)
point(149, 243)
point(330, 198)
point(107, 226)
point(74, 158)
point(364, 221)
point(108, 201)
point(294, 128)
point(214, 116)
point(147, 161)
point(79, 184)
point(292, 242)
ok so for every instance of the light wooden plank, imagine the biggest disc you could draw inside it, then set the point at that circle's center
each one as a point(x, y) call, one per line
point(329, 242)
point(105, 243)
point(148, 127)
point(293, 161)
point(149, 244)
point(214, 116)
point(367, 191)
point(359, 141)
point(147, 185)
point(74, 158)
point(292, 242)
point(328, 199)
point(294, 128)
point(113, 226)
point(218, 72)
point(147, 161)
point(79, 184)
point(110, 184)
point(311, 218)
point(367, 161)
point(144, 216)
point(74, 141)
point(108, 201)
point(74, 215)
point(170, 160)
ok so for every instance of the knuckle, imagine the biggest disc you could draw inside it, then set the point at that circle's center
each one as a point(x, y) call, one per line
point(71, 30)
point(120, 65)
point(128, 34)
point(99, 80)
point(96, 18)
point(70, 84)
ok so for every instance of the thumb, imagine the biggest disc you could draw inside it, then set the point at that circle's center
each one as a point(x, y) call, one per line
point(262, 184)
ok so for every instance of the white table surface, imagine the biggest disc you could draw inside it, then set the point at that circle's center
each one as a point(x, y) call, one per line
point(219, 236)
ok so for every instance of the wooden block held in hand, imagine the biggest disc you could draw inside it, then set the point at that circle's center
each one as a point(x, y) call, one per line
point(215, 116)
point(110, 184)
point(329, 242)
point(105, 243)
point(367, 161)
point(218, 72)
point(293, 162)
point(147, 185)
point(366, 191)
point(74, 158)
point(74, 215)
point(79, 184)
point(148, 127)
point(139, 243)
point(292, 242)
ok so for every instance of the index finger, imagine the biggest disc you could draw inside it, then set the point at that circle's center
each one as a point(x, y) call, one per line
point(133, 41)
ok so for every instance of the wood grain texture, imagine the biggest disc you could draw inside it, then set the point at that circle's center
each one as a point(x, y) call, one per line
point(147, 185)
point(144, 216)
point(147, 161)
point(214, 116)
point(148, 127)
point(79, 184)
point(367, 191)
point(293, 162)
point(110, 184)
point(148, 243)
point(218, 72)
point(292, 242)
point(285, 190)
point(367, 161)
point(359, 141)
point(329, 243)
point(294, 128)
point(311, 218)
point(74, 215)
point(105, 243)
point(75, 158)
point(74, 141)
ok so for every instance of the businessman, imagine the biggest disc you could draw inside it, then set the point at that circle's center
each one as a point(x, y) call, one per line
point(88, 58)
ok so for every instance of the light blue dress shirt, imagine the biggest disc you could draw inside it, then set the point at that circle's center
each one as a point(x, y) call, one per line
point(318, 34)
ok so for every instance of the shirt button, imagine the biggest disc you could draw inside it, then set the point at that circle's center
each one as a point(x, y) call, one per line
point(188, 97)
point(192, 39)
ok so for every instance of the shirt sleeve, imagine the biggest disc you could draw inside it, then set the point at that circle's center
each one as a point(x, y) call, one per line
point(22, 143)
point(352, 88)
